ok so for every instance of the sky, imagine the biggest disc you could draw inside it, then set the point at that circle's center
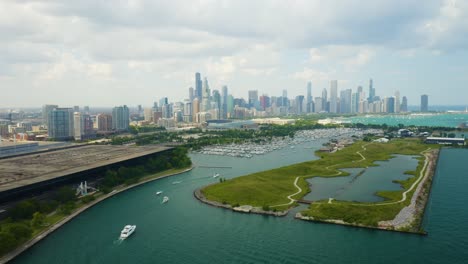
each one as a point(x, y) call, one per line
point(107, 53)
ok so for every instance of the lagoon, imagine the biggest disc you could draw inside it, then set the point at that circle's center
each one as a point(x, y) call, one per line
point(363, 183)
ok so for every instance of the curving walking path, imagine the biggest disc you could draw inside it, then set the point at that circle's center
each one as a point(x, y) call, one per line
point(422, 174)
point(299, 189)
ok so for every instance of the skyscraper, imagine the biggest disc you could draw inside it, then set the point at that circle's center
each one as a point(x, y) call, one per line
point(191, 93)
point(299, 104)
point(253, 98)
point(345, 101)
point(404, 104)
point(284, 100)
point(224, 98)
point(206, 93)
point(325, 100)
point(371, 91)
point(198, 86)
point(120, 118)
point(397, 102)
point(424, 103)
point(390, 104)
point(309, 101)
point(60, 122)
point(333, 96)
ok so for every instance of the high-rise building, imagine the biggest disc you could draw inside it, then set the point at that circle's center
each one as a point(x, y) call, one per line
point(389, 104)
point(216, 104)
point(404, 104)
point(230, 105)
point(224, 98)
point(82, 126)
point(355, 102)
point(424, 103)
point(60, 122)
point(253, 98)
point(397, 102)
point(264, 101)
point(148, 114)
point(206, 94)
point(309, 100)
point(345, 101)
point(318, 105)
point(333, 96)
point(371, 91)
point(76, 108)
point(195, 108)
point(284, 101)
point(325, 100)
point(198, 86)
point(46, 109)
point(300, 104)
point(191, 93)
point(120, 118)
point(104, 122)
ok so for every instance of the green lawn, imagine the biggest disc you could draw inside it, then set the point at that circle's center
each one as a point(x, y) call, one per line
point(273, 186)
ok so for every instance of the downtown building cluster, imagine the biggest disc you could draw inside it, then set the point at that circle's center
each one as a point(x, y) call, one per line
point(205, 104)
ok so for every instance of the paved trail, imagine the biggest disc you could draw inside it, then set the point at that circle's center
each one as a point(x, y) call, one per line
point(299, 189)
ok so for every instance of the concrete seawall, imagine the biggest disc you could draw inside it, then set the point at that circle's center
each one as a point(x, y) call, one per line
point(8, 257)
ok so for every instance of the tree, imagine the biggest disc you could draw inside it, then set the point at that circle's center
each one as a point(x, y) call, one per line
point(24, 209)
point(38, 219)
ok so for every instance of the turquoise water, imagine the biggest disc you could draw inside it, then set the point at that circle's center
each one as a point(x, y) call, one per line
point(445, 120)
point(187, 231)
point(362, 188)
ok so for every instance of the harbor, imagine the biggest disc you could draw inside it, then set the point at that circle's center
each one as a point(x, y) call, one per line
point(250, 149)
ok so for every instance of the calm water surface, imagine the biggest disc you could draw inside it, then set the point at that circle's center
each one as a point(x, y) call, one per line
point(362, 184)
point(187, 231)
point(446, 120)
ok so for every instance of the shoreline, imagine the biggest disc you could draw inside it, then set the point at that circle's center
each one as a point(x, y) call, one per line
point(22, 248)
point(420, 198)
point(252, 210)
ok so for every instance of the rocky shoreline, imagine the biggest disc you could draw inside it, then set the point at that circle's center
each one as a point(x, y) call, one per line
point(241, 209)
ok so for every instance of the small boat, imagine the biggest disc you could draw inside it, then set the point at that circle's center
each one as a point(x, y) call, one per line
point(127, 231)
point(165, 199)
point(158, 192)
point(216, 175)
point(176, 182)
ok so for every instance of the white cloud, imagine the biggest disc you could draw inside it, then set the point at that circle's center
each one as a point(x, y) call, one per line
point(350, 57)
point(308, 74)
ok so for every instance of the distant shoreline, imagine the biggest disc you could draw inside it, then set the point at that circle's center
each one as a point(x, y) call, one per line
point(10, 256)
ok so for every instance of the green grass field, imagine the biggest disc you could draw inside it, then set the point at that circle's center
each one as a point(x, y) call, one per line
point(270, 188)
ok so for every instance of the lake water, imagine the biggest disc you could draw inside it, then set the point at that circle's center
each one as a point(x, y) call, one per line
point(445, 120)
point(187, 231)
point(362, 188)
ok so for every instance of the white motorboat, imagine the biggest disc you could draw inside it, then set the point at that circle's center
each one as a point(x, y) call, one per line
point(216, 175)
point(165, 199)
point(176, 182)
point(127, 231)
point(159, 192)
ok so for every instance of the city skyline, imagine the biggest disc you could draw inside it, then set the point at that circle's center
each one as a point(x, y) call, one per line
point(111, 54)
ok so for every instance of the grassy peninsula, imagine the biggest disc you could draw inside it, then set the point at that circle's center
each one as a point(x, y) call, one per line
point(280, 188)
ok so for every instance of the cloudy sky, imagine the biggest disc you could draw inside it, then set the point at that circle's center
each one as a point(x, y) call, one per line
point(105, 53)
